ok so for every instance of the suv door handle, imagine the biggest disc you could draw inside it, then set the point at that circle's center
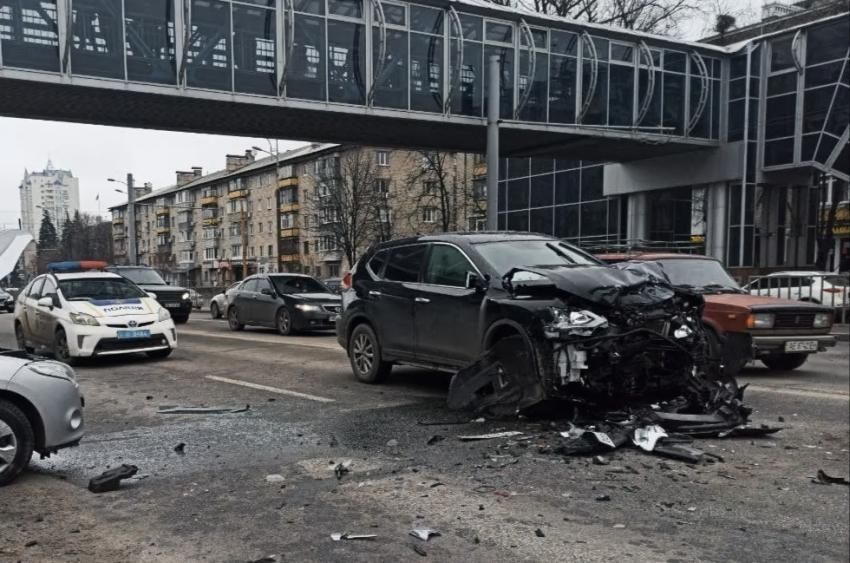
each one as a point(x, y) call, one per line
point(375, 293)
point(422, 300)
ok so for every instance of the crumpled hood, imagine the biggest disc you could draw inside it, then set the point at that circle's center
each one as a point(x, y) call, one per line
point(112, 308)
point(621, 285)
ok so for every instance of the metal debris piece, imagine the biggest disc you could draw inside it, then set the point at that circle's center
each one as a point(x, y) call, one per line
point(349, 536)
point(600, 460)
point(110, 480)
point(491, 436)
point(824, 479)
point(539, 533)
point(424, 534)
point(435, 438)
point(266, 559)
point(342, 469)
point(177, 409)
point(180, 448)
point(647, 437)
point(747, 431)
point(680, 452)
point(603, 498)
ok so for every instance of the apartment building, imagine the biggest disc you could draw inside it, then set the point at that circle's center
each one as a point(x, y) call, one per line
point(53, 190)
point(287, 213)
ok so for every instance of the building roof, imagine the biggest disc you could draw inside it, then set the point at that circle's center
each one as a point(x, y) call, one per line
point(285, 158)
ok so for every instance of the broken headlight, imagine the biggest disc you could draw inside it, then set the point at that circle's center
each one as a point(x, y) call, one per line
point(578, 322)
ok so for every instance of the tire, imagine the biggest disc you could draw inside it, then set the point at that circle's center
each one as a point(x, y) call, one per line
point(159, 354)
point(364, 354)
point(17, 441)
point(214, 312)
point(233, 320)
point(785, 362)
point(60, 348)
point(283, 322)
point(21, 339)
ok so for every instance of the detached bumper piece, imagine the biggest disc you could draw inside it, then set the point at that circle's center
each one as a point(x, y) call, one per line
point(111, 480)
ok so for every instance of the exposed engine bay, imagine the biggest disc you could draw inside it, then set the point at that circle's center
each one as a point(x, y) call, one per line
point(601, 340)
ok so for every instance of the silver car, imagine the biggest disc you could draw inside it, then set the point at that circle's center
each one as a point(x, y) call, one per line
point(220, 302)
point(41, 410)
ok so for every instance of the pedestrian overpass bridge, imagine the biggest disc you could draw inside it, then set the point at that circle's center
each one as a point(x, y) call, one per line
point(387, 73)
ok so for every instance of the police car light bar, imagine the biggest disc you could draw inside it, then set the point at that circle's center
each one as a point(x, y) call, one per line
point(76, 266)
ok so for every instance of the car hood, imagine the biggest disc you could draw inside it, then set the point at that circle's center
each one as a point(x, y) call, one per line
point(112, 308)
point(317, 297)
point(747, 302)
point(9, 366)
point(621, 285)
point(164, 289)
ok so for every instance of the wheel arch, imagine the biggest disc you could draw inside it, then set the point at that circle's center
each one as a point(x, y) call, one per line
point(502, 329)
point(30, 412)
point(356, 320)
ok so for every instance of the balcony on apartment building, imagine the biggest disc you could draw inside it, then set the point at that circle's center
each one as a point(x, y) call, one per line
point(162, 210)
point(210, 199)
point(118, 220)
point(479, 170)
point(184, 245)
point(163, 229)
point(290, 232)
point(210, 221)
point(239, 193)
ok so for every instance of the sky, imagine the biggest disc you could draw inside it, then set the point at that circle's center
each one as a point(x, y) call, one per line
point(94, 153)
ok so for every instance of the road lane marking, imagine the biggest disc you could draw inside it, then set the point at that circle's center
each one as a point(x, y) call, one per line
point(276, 390)
point(260, 338)
point(801, 393)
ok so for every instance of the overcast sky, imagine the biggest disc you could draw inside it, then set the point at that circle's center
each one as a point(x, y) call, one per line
point(94, 153)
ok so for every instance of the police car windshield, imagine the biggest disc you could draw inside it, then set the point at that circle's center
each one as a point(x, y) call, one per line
point(142, 276)
point(96, 289)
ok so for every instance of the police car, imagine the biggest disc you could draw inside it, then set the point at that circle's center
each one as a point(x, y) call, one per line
point(75, 312)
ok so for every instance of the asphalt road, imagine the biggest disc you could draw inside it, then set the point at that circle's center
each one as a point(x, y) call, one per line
point(487, 499)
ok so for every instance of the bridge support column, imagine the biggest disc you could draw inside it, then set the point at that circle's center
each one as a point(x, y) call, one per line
point(493, 143)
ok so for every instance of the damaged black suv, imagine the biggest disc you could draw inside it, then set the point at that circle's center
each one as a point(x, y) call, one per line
point(556, 321)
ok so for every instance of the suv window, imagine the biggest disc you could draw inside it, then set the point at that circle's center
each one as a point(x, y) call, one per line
point(378, 261)
point(405, 263)
point(447, 266)
point(35, 290)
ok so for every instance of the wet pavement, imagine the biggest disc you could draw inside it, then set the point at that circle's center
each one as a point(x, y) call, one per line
point(216, 501)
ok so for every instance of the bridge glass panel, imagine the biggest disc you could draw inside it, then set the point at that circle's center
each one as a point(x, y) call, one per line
point(29, 34)
point(562, 76)
point(467, 99)
point(390, 74)
point(597, 112)
point(652, 118)
point(150, 50)
point(254, 50)
point(621, 97)
point(536, 106)
point(208, 59)
point(346, 62)
point(673, 117)
point(96, 38)
point(306, 71)
point(426, 59)
point(499, 42)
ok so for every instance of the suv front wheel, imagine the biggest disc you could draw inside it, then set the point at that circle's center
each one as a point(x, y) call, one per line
point(364, 352)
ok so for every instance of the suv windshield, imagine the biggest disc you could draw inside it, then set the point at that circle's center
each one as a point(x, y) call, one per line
point(142, 276)
point(99, 288)
point(505, 255)
point(699, 274)
point(298, 284)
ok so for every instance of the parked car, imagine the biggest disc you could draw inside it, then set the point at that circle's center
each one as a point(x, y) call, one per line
point(177, 300)
point(220, 301)
point(288, 302)
point(41, 410)
point(567, 321)
point(816, 287)
point(85, 314)
point(779, 332)
point(334, 284)
point(7, 301)
point(196, 299)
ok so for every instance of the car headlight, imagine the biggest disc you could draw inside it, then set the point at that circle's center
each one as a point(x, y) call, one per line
point(53, 369)
point(83, 319)
point(185, 296)
point(761, 320)
point(822, 320)
point(307, 307)
point(163, 314)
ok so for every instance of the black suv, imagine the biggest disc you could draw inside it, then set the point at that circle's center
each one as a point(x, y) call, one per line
point(441, 301)
point(287, 302)
point(174, 298)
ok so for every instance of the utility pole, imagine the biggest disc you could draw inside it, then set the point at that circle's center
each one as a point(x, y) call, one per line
point(493, 96)
point(131, 217)
point(244, 228)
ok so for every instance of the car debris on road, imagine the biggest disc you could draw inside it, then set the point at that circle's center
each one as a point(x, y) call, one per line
point(177, 409)
point(110, 480)
point(424, 534)
point(349, 536)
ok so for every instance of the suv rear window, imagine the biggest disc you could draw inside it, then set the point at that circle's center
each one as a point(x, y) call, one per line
point(405, 263)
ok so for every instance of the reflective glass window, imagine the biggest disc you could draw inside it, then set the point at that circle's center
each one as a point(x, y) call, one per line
point(394, 14)
point(597, 112)
point(823, 74)
point(535, 107)
point(838, 116)
point(306, 70)
point(405, 263)
point(622, 53)
point(674, 61)
point(827, 145)
point(467, 99)
point(594, 219)
point(518, 194)
point(567, 221)
point(541, 165)
point(346, 62)
point(29, 34)
point(542, 190)
point(567, 186)
point(499, 32)
point(471, 26)
point(96, 42)
point(674, 103)
point(591, 183)
point(208, 59)
point(780, 54)
point(426, 20)
point(701, 128)
point(621, 95)
point(518, 221)
point(652, 118)
point(390, 75)
point(150, 50)
point(541, 220)
point(562, 89)
point(827, 42)
point(316, 7)
point(254, 54)
point(447, 266)
point(563, 43)
point(782, 83)
point(346, 8)
point(426, 72)
point(815, 107)
point(518, 167)
point(779, 152)
point(780, 114)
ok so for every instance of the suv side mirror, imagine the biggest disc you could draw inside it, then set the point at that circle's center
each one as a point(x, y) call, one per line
point(473, 281)
point(46, 302)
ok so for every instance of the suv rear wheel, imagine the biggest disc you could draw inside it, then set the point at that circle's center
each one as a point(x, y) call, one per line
point(17, 441)
point(364, 352)
point(785, 362)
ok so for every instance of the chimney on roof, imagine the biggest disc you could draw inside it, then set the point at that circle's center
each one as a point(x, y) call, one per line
point(237, 161)
point(148, 188)
point(197, 171)
point(184, 177)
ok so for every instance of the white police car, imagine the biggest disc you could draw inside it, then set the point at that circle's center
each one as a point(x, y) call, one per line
point(78, 314)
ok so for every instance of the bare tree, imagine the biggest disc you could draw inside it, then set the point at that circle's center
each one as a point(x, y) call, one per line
point(654, 16)
point(347, 204)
